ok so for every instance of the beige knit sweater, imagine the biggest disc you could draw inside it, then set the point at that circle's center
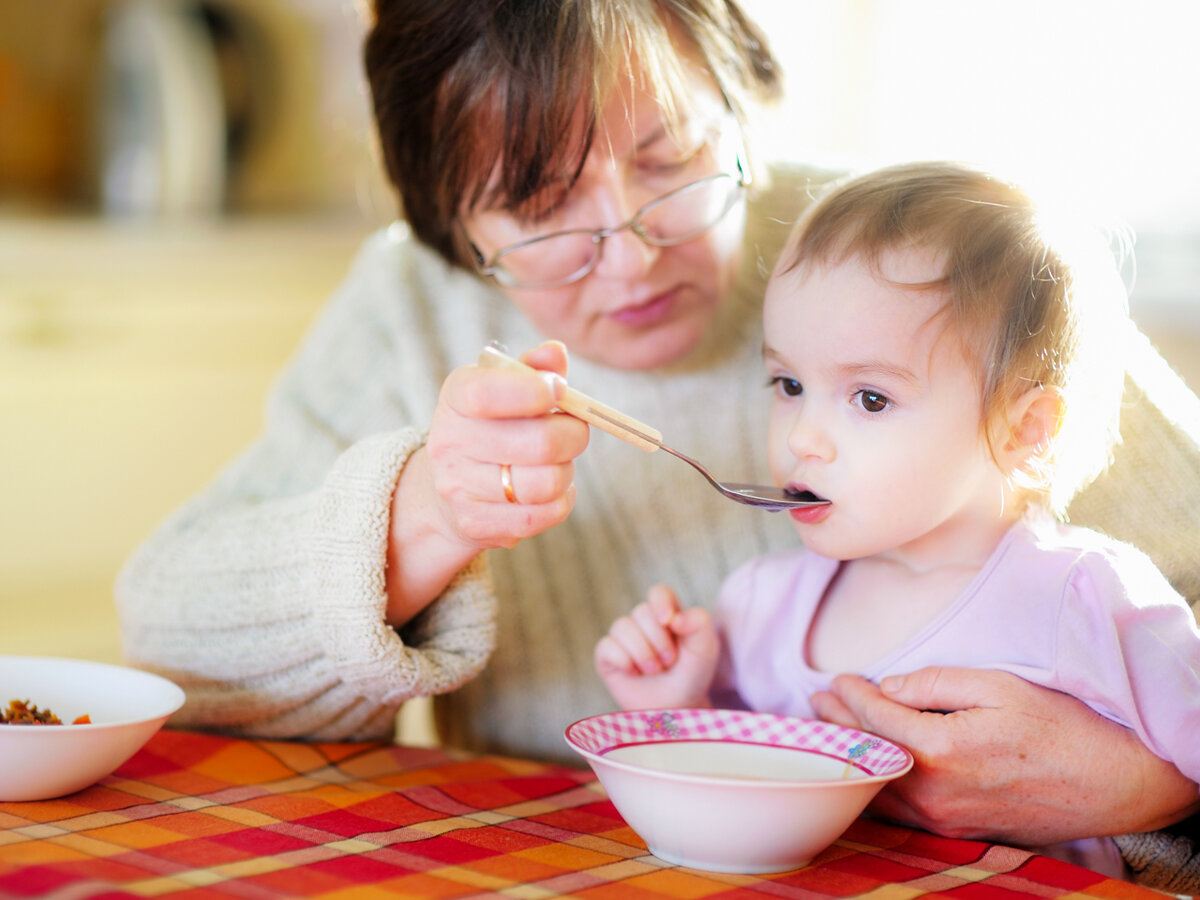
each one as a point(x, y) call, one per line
point(263, 597)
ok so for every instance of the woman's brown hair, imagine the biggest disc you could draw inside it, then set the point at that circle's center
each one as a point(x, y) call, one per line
point(467, 89)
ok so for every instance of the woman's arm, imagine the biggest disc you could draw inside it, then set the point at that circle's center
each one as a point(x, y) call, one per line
point(266, 596)
point(1009, 761)
point(269, 611)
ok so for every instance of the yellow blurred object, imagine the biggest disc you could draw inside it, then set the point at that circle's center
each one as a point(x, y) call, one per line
point(134, 362)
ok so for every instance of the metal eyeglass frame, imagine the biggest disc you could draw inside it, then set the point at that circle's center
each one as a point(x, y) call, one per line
point(493, 268)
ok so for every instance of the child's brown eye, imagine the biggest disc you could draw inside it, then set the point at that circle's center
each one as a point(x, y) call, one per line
point(788, 386)
point(872, 401)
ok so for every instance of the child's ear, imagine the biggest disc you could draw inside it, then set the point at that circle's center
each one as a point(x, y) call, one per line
point(1032, 422)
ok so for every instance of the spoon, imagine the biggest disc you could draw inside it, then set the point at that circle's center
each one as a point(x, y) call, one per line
point(649, 439)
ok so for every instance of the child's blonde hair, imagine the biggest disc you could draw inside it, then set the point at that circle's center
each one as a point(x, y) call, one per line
point(1036, 303)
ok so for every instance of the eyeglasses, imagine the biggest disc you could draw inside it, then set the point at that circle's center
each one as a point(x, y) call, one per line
point(676, 217)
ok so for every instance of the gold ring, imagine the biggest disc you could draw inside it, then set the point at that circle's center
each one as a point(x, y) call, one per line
point(506, 482)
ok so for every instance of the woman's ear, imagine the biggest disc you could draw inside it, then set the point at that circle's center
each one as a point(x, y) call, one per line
point(1031, 423)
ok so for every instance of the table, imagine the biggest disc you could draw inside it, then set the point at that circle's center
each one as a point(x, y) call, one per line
point(201, 816)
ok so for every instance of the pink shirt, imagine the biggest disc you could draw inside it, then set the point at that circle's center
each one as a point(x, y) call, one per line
point(1060, 606)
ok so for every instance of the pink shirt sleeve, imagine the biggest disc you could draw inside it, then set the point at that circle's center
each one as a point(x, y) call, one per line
point(1127, 644)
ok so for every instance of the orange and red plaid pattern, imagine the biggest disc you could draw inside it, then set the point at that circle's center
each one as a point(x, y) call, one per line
point(200, 816)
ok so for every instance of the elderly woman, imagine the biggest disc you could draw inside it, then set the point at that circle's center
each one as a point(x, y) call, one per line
point(576, 172)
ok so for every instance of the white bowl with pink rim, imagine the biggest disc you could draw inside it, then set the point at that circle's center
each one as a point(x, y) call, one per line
point(735, 791)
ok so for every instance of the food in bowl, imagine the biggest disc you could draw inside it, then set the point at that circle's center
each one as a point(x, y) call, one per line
point(735, 791)
point(125, 706)
point(22, 712)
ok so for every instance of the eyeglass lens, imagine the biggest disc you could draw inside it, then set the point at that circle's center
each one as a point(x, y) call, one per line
point(679, 216)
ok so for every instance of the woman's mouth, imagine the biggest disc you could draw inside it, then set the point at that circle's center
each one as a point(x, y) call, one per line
point(648, 313)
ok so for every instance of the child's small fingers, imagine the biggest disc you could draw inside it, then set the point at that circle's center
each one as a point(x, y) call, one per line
point(660, 639)
point(610, 657)
point(642, 654)
point(663, 602)
point(689, 621)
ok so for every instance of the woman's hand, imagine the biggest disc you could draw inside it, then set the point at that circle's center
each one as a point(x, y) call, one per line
point(1008, 761)
point(660, 655)
point(451, 502)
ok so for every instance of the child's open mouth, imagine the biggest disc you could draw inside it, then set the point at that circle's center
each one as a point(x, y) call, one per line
point(805, 495)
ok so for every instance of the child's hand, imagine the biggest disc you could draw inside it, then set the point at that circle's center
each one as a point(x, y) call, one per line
point(659, 655)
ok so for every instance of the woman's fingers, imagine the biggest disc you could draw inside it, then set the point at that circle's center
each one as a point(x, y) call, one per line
point(829, 707)
point(858, 702)
point(550, 356)
point(484, 392)
point(501, 460)
point(469, 476)
point(476, 392)
point(528, 485)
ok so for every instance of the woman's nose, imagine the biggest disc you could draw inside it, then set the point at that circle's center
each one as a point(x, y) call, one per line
point(623, 255)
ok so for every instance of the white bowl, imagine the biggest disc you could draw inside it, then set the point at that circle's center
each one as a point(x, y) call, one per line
point(734, 791)
point(126, 708)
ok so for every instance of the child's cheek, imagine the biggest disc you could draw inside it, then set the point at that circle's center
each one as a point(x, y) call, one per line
point(779, 457)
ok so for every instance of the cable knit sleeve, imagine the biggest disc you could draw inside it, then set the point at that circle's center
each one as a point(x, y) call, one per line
point(447, 644)
point(271, 616)
point(1164, 860)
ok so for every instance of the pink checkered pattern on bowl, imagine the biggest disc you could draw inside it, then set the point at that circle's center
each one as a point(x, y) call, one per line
point(872, 754)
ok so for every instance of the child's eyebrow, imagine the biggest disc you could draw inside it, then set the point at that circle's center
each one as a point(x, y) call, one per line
point(889, 370)
point(856, 369)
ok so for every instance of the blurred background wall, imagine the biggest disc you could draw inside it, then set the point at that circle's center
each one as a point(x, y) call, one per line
point(184, 107)
point(183, 182)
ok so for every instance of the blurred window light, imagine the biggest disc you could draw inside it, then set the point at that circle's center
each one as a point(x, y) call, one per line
point(1091, 99)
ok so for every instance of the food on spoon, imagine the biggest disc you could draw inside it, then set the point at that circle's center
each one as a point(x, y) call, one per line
point(22, 712)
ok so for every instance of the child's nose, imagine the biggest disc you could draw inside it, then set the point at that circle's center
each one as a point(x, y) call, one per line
point(809, 439)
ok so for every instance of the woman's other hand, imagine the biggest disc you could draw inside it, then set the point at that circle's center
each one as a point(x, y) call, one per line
point(497, 467)
point(660, 655)
point(1006, 760)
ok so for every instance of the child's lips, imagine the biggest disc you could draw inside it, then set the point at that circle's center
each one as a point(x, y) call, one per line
point(811, 515)
point(808, 515)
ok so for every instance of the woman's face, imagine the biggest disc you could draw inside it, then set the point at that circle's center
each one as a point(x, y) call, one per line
point(641, 306)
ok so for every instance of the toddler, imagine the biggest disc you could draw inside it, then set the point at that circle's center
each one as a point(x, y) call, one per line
point(947, 371)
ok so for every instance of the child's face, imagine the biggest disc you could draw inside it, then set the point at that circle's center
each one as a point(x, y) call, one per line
point(876, 409)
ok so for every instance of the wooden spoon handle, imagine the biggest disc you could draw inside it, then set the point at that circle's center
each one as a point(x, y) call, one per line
point(584, 407)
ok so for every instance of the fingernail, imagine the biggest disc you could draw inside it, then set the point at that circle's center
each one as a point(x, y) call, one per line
point(892, 684)
point(555, 382)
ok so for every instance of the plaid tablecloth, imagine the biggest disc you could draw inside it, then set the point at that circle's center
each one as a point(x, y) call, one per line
point(201, 816)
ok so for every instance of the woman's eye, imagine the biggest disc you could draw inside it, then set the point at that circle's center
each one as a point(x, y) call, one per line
point(873, 401)
point(676, 159)
point(789, 387)
point(667, 167)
